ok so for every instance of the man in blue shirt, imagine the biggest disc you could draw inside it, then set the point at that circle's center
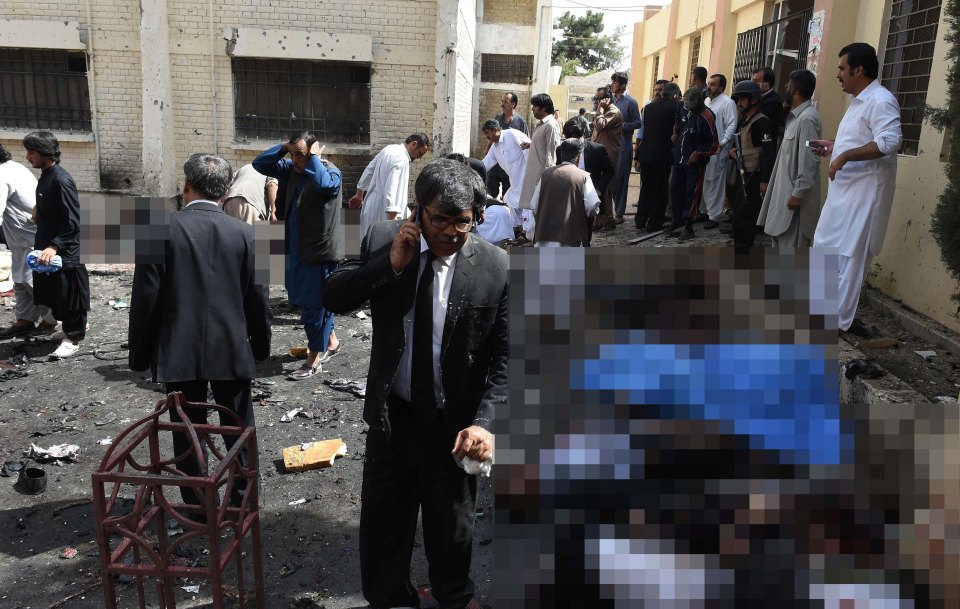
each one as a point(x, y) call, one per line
point(696, 142)
point(630, 112)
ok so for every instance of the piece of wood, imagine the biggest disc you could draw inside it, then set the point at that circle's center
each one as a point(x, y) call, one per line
point(313, 455)
point(878, 343)
point(645, 237)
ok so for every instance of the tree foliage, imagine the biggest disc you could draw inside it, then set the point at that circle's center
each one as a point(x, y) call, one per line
point(582, 48)
point(945, 224)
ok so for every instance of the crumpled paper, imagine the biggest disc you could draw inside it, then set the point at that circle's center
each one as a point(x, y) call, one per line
point(65, 452)
point(476, 468)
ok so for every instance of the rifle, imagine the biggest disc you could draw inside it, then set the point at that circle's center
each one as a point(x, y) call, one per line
point(741, 166)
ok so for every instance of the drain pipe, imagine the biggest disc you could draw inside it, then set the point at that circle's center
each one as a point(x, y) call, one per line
point(93, 95)
point(213, 81)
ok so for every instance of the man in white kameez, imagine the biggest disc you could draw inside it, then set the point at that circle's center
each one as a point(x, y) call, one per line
point(383, 186)
point(18, 189)
point(791, 204)
point(543, 154)
point(863, 173)
point(509, 150)
point(715, 177)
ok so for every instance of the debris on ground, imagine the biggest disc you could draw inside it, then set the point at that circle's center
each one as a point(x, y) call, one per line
point(68, 553)
point(360, 315)
point(878, 343)
point(863, 367)
point(296, 412)
point(105, 442)
point(11, 468)
point(118, 304)
point(56, 453)
point(945, 399)
point(313, 455)
point(926, 354)
point(357, 388)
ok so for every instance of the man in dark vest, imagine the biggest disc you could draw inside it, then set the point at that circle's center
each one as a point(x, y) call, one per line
point(311, 198)
point(564, 201)
point(754, 151)
point(594, 159)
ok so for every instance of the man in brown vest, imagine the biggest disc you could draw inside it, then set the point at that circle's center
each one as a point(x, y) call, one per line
point(755, 151)
point(564, 201)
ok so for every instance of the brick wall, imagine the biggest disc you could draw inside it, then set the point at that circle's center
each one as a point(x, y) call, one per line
point(519, 12)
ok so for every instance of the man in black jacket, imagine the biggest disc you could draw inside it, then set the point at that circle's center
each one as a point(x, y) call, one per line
point(197, 318)
point(594, 159)
point(311, 196)
point(438, 367)
point(771, 105)
point(656, 157)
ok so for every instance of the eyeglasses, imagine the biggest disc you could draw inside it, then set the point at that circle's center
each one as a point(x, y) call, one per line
point(443, 223)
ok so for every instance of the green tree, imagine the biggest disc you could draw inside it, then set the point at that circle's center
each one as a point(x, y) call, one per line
point(582, 47)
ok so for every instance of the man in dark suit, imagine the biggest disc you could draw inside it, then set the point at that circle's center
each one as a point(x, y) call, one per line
point(197, 319)
point(438, 367)
point(771, 105)
point(594, 159)
point(656, 157)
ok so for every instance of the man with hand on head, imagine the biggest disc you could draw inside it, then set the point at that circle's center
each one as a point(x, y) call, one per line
point(438, 296)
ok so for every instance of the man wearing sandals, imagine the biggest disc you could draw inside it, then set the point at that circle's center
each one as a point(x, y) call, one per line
point(438, 296)
point(310, 195)
point(196, 316)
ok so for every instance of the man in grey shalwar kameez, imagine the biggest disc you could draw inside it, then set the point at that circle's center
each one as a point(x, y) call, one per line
point(791, 206)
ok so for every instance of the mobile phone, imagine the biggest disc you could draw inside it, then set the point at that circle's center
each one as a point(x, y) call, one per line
point(815, 146)
point(416, 215)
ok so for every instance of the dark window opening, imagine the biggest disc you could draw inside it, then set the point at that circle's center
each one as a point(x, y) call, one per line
point(44, 89)
point(274, 98)
point(506, 68)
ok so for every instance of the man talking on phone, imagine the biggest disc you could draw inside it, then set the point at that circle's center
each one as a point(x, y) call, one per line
point(438, 368)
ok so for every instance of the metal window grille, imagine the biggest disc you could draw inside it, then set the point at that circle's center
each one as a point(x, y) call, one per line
point(274, 98)
point(907, 63)
point(656, 71)
point(780, 44)
point(44, 89)
point(506, 68)
point(694, 53)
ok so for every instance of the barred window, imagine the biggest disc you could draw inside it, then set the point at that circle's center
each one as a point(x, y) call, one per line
point(506, 68)
point(907, 63)
point(694, 53)
point(274, 98)
point(656, 71)
point(44, 89)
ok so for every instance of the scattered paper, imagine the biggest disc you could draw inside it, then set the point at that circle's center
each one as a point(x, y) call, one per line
point(926, 354)
point(105, 442)
point(67, 452)
point(297, 502)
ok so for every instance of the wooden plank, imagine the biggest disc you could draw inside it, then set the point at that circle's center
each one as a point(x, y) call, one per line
point(645, 237)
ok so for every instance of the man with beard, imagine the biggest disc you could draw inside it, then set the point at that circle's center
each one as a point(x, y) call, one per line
point(715, 180)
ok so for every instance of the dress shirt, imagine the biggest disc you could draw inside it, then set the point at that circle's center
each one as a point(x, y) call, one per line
point(443, 267)
point(725, 111)
point(498, 223)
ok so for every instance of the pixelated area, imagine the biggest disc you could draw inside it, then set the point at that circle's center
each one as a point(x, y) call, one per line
point(674, 439)
point(123, 230)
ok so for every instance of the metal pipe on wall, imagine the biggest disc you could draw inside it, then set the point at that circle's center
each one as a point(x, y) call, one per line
point(93, 93)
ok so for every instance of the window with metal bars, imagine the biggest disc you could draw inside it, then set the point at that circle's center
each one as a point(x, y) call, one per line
point(44, 89)
point(907, 63)
point(656, 72)
point(506, 68)
point(274, 98)
point(694, 53)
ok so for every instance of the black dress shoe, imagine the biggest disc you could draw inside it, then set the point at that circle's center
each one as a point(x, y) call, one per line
point(17, 330)
point(701, 218)
point(686, 235)
point(711, 224)
point(726, 229)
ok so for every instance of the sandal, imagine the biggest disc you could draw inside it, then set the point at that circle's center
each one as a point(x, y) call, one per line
point(329, 354)
point(304, 372)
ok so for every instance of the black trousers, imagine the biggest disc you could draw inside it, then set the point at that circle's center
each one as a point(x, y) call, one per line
point(415, 471)
point(497, 179)
point(234, 395)
point(746, 210)
point(67, 293)
point(654, 195)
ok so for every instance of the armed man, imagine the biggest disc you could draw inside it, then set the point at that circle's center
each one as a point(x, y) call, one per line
point(755, 152)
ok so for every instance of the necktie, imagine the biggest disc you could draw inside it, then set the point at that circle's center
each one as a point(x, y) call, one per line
point(421, 376)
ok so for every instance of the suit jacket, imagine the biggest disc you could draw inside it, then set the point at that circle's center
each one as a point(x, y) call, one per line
point(658, 121)
point(199, 315)
point(596, 163)
point(475, 344)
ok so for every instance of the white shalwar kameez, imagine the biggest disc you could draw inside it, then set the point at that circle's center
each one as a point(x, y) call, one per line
point(715, 177)
point(386, 181)
point(507, 153)
point(855, 214)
